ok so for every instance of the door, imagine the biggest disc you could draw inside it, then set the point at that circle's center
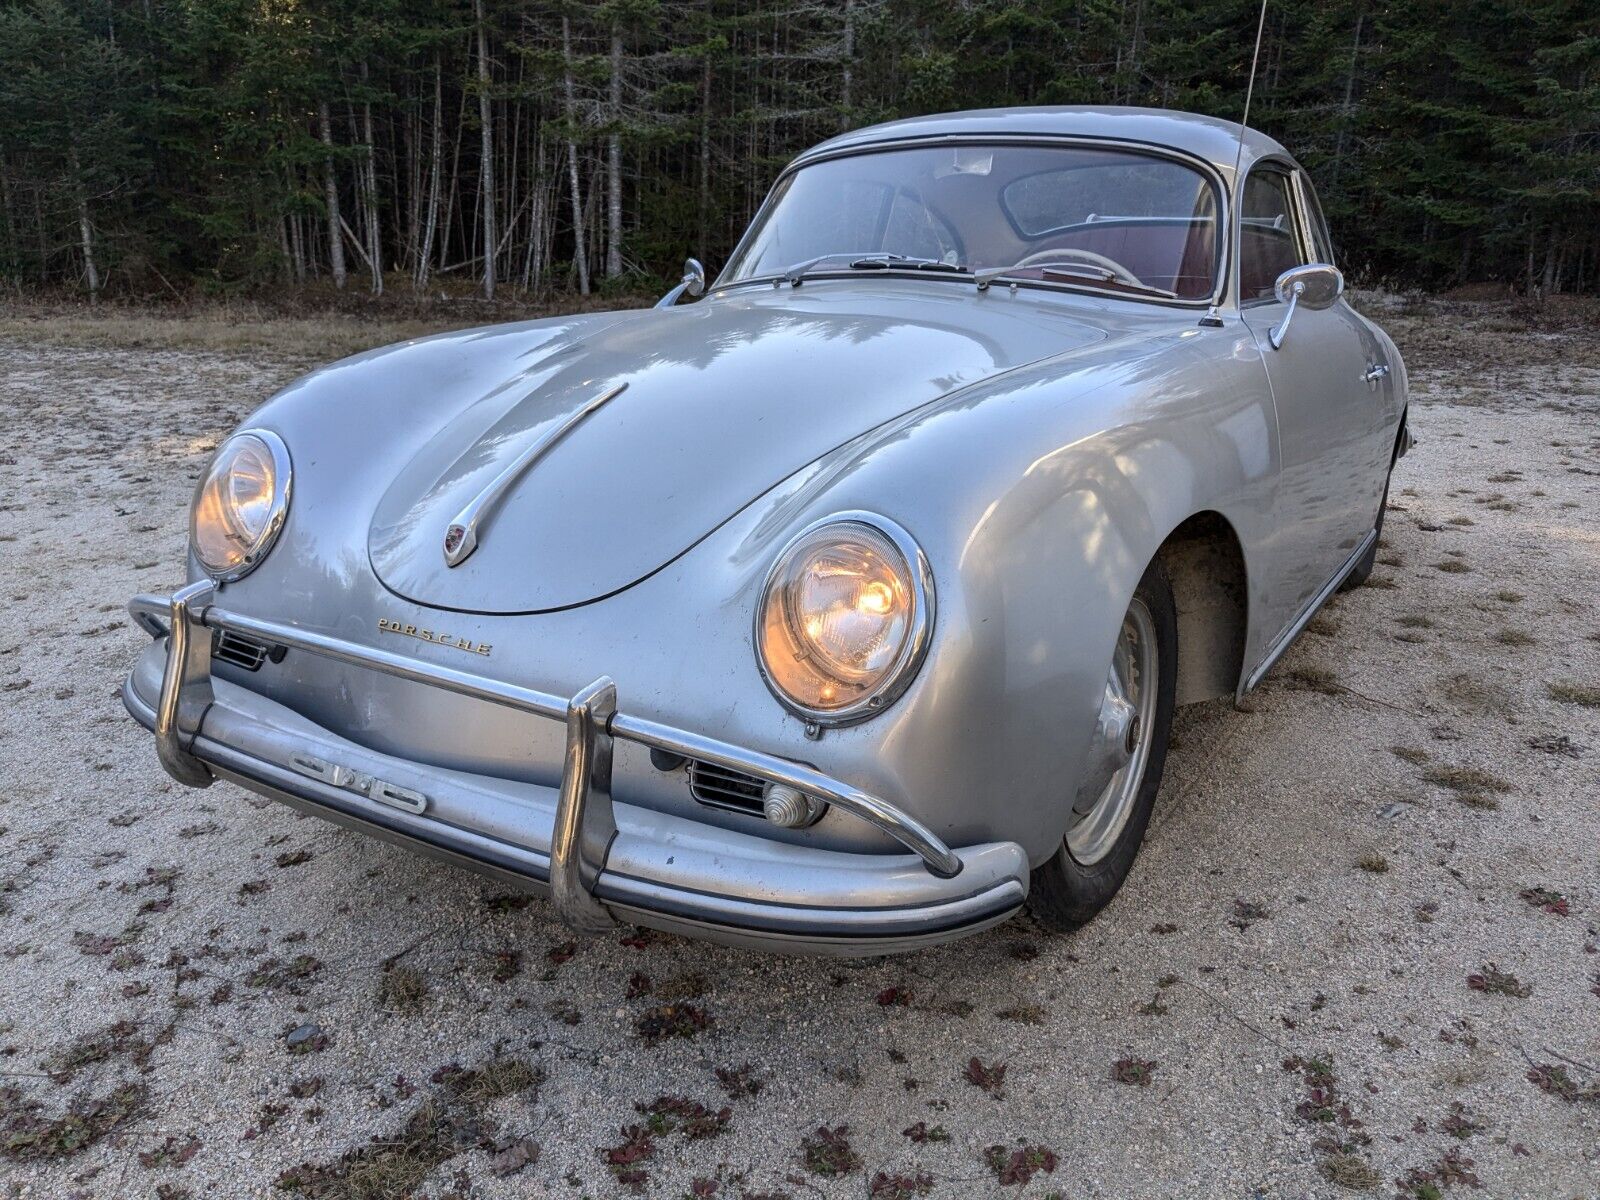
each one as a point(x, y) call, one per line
point(1329, 415)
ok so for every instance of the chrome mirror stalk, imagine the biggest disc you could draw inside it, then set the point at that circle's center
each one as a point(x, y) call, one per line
point(1314, 285)
point(1278, 332)
point(693, 284)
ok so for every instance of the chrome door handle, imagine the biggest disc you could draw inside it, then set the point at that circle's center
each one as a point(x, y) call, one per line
point(1375, 372)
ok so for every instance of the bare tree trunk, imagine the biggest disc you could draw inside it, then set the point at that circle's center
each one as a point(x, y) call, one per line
point(435, 171)
point(411, 137)
point(1349, 91)
point(297, 250)
point(614, 164)
point(533, 261)
point(453, 191)
point(87, 233)
point(703, 205)
point(580, 254)
point(370, 184)
point(331, 190)
point(85, 230)
point(283, 245)
point(849, 55)
point(486, 170)
point(39, 234)
point(13, 242)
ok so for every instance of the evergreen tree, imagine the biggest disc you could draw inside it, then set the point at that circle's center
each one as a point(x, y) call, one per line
point(158, 145)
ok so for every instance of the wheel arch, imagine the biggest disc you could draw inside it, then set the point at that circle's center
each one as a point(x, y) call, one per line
point(1205, 565)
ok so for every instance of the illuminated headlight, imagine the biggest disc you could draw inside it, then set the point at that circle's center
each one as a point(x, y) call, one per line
point(845, 618)
point(240, 504)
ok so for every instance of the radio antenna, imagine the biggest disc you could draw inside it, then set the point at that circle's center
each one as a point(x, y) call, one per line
point(1212, 318)
point(1249, 93)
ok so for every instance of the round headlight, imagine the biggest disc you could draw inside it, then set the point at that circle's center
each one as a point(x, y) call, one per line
point(844, 618)
point(240, 504)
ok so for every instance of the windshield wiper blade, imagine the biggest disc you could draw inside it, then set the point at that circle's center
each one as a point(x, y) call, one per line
point(988, 275)
point(857, 260)
point(901, 262)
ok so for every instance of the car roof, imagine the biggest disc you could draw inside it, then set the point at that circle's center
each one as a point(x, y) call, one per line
point(1209, 138)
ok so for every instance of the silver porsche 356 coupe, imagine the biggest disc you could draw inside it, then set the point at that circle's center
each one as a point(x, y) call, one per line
point(842, 609)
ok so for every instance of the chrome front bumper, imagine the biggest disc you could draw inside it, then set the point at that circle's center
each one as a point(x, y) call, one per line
point(599, 860)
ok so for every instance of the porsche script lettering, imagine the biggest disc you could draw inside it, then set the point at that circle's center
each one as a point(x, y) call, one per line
point(438, 638)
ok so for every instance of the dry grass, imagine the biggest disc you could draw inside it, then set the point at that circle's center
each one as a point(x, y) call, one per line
point(1315, 679)
point(323, 338)
point(1349, 1171)
point(326, 328)
point(402, 990)
point(1474, 696)
point(1574, 693)
point(1466, 781)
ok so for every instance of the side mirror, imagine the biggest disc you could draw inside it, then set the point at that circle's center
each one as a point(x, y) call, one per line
point(1316, 285)
point(693, 284)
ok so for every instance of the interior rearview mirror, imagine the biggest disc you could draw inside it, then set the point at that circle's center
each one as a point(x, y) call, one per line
point(1315, 285)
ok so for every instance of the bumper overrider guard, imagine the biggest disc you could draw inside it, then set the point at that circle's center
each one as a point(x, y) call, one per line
point(592, 868)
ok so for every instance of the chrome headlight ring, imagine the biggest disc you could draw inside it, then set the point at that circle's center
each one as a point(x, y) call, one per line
point(910, 585)
point(217, 519)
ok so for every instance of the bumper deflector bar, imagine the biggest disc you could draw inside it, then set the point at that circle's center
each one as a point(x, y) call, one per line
point(585, 825)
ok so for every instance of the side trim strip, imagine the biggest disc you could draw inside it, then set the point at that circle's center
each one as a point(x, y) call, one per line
point(1297, 626)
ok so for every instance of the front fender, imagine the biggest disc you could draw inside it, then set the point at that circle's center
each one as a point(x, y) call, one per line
point(1040, 498)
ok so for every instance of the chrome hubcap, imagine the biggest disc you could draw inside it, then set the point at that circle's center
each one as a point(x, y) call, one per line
point(1119, 750)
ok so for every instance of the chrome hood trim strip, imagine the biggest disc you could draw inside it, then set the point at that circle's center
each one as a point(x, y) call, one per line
point(461, 537)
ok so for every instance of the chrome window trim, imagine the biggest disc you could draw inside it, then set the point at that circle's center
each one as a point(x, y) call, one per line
point(1291, 171)
point(1220, 290)
point(282, 488)
point(912, 654)
point(1312, 218)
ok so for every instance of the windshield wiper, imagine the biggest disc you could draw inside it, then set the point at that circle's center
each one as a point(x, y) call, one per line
point(988, 275)
point(871, 261)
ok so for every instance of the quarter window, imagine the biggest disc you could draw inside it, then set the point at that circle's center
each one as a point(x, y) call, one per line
point(1267, 243)
point(1321, 243)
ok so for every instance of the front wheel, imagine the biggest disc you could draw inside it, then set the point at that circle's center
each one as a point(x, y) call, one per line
point(1122, 771)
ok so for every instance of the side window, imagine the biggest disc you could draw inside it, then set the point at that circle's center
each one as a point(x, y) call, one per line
point(1267, 243)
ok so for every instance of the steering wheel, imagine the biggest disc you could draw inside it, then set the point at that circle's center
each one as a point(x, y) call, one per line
point(1118, 271)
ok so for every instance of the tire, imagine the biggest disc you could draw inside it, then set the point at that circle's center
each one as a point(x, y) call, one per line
point(1066, 892)
point(1362, 571)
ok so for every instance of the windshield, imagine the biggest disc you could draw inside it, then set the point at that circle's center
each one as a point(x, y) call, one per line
point(1063, 216)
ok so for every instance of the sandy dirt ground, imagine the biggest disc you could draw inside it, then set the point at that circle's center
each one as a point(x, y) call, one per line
point(1360, 950)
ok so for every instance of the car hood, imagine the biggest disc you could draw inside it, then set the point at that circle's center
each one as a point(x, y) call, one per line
point(723, 400)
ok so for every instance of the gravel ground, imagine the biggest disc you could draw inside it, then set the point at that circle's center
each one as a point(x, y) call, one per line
point(1361, 948)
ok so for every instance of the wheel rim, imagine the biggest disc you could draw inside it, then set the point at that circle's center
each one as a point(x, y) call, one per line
point(1134, 675)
